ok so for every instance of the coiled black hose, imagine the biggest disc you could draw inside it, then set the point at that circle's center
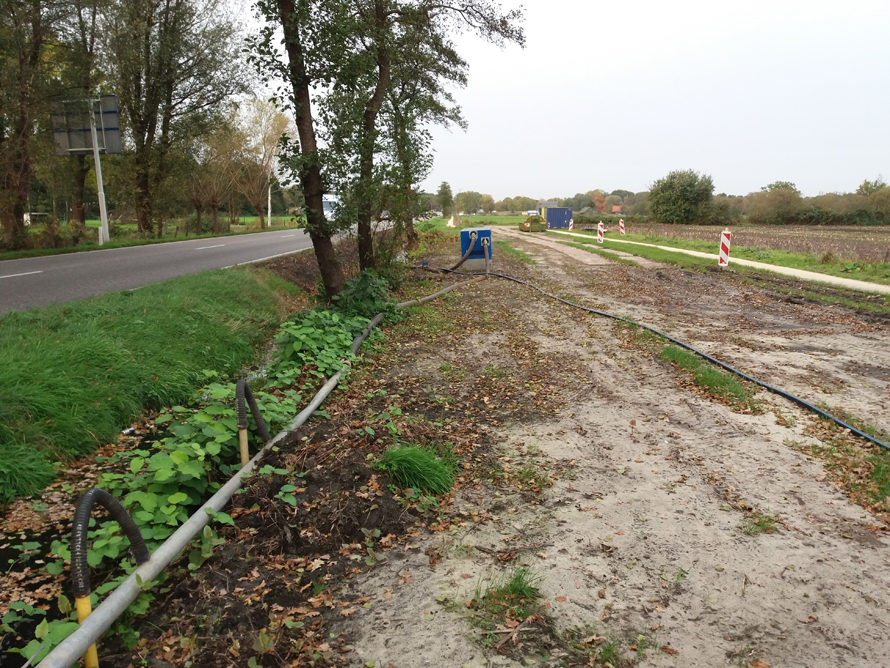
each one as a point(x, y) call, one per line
point(686, 346)
point(80, 569)
point(242, 392)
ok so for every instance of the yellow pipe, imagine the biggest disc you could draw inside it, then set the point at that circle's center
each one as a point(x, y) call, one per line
point(242, 441)
point(82, 603)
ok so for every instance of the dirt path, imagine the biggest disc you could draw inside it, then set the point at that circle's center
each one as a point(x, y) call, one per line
point(849, 283)
point(640, 543)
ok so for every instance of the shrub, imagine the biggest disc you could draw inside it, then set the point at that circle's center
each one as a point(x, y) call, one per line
point(366, 296)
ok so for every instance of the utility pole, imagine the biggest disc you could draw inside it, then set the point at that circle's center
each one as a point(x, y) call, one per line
point(100, 187)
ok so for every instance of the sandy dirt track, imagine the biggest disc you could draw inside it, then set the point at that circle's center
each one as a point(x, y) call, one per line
point(639, 541)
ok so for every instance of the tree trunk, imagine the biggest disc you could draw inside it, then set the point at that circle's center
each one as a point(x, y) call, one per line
point(369, 131)
point(215, 216)
point(310, 171)
point(143, 193)
point(198, 210)
point(411, 239)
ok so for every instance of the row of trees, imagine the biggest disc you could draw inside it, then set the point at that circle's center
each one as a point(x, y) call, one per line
point(361, 82)
point(687, 197)
point(171, 63)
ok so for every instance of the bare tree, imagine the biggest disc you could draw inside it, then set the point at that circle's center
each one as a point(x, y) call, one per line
point(262, 127)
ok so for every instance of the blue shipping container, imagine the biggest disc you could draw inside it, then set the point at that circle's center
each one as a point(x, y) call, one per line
point(478, 251)
point(556, 216)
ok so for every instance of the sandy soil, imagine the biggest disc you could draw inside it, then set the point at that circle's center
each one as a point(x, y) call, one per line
point(639, 542)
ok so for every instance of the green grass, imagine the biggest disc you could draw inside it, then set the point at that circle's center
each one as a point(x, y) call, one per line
point(876, 272)
point(515, 597)
point(418, 468)
point(866, 301)
point(72, 375)
point(522, 256)
point(758, 523)
point(586, 246)
point(714, 380)
point(880, 476)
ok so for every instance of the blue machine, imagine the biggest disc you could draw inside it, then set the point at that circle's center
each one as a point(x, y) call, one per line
point(478, 252)
point(556, 216)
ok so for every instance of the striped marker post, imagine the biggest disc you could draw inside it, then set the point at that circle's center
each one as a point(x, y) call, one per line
point(621, 226)
point(725, 239)
point(600, 232)
point(571, 224)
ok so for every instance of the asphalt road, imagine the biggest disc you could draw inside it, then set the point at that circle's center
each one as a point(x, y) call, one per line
point(38, 281)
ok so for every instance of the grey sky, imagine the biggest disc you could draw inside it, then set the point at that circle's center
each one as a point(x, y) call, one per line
point(617, 94)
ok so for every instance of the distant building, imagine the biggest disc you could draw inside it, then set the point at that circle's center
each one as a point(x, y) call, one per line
point(616, 208)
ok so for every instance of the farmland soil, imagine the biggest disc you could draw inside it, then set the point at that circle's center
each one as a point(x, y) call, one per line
point(660, 526)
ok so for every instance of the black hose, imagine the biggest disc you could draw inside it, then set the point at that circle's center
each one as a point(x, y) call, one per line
point(714, 360)
point(242, 392)
point(473, 236)
point(80, 569)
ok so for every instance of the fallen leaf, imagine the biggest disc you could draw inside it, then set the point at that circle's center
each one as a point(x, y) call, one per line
point(809, 620)
point(669, 650)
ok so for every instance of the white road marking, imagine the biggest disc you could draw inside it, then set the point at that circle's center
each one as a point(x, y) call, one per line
point(269, 257)
point(206, 247)
point(287, 236)
point(27, 273)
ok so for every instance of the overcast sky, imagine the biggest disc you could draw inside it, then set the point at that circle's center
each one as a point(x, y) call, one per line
point(617, 94)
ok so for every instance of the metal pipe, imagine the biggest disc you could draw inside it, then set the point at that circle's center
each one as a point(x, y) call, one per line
point(75, 645)
point(429, 298)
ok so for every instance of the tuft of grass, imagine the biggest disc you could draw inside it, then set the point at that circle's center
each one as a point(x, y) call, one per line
point(880, 476)
point(715, 381)
point(514, 597)
point(418, 468)
point(759, 523)
point(73, 375)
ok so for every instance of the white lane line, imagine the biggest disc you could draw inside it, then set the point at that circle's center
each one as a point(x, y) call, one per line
point(269, 257)
point(27, 273)
point(287, 236)
point(206, 247)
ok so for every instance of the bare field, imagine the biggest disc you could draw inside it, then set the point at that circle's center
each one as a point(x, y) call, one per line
point(866, 244)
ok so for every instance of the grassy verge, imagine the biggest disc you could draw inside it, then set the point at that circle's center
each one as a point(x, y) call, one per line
point(604, 253)
point(712, 380)
point(875, 272)
point(522, 256)
point(72, 375)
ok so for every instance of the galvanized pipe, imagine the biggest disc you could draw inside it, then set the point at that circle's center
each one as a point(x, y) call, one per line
point(69, 651)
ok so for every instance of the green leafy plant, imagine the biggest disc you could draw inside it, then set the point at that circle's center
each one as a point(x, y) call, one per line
point(316, 342)
point(365, 296)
